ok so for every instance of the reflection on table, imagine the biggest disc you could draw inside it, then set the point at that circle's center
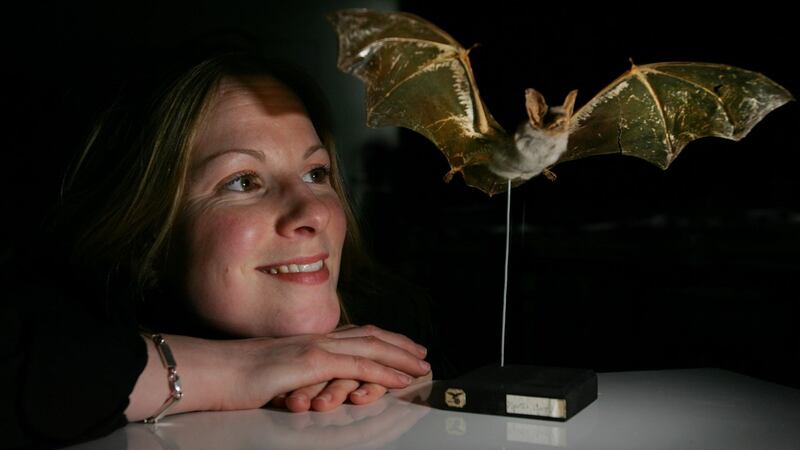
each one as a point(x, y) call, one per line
point(686, 409)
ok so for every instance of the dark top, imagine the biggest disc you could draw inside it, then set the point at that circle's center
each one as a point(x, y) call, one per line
point(68, 366)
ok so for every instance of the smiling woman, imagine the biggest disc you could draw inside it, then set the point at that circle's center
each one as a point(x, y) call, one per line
point(263, 225)
point(212, 209)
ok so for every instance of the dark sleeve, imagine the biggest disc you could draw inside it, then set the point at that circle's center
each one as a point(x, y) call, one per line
point(67, 371)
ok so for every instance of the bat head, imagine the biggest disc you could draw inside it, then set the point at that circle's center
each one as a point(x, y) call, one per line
point(542, 117)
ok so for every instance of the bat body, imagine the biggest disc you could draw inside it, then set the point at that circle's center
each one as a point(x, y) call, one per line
point(418, 77)
point(538, 143)
point(534, 151)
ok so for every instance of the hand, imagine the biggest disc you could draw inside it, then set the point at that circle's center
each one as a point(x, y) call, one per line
point(330, 394)
point(321, 372)
point(247, 374)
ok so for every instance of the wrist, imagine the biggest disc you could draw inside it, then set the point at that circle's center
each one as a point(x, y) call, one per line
point(203, 372)
point(173, 379)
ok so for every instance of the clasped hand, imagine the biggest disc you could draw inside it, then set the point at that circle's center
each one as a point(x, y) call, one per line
point(320, 372)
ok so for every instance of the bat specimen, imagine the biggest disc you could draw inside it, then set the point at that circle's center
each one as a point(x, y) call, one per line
point(418, 77)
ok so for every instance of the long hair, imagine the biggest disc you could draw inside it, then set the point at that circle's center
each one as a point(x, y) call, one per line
point(123, 196)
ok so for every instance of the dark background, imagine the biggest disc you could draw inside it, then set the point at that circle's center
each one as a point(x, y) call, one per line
point(616, 265)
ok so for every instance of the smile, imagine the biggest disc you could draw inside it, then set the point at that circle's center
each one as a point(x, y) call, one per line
point(310, 273)
point(295, 268)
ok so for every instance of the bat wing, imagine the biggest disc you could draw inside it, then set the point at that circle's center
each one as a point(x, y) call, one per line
point(653, 111)
point(418, 77)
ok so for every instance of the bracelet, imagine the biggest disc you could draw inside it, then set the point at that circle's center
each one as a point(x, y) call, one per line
point(175, 391)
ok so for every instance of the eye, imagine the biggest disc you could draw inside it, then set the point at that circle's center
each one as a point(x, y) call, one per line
point(318, 175)
point(243, 182)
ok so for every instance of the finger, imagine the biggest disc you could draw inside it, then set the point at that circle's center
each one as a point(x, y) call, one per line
point(393, 338)
point(299, 400)
point(334, 394)
point(421, 387)
point(279, 401)
point(355, 367)
point(375, 349)
point(367, 393)
point(328, 359)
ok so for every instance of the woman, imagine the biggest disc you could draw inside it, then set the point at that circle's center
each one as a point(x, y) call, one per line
point(222, 215)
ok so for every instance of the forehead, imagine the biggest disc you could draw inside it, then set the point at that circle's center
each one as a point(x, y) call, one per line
point(255, 94)
point(255, 112)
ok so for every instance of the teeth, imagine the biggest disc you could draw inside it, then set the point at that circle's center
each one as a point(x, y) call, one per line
point(295, 268)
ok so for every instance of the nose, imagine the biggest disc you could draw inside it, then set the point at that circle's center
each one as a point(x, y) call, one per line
point(303, 212)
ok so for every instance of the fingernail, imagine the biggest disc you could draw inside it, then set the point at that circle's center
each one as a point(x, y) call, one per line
point(405, 378)
point(324, 397)
point(298, 397)
point(422, 349)
point(425, 366)
point(359, 392)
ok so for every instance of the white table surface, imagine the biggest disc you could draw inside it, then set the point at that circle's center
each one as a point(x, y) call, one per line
point(666, 409)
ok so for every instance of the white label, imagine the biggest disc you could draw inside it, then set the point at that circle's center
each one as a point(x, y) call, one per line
point(536, 406)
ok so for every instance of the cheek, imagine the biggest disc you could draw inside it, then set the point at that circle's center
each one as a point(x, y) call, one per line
point(337, 227)
point(221, 247)
point(339, 222)
point(222, 239)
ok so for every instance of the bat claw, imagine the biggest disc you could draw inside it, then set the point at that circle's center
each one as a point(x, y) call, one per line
point(449, 175)
point(549, 174)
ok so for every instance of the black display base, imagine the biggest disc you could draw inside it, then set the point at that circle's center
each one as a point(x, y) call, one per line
point(540, 392)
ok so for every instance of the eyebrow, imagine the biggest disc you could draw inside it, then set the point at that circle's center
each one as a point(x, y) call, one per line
point(254, 153)
point(205, 161)
point(313, 149)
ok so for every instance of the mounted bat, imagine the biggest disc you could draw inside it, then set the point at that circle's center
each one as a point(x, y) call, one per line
point(418, 77)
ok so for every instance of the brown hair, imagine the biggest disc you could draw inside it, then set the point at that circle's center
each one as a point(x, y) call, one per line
point(124, 194)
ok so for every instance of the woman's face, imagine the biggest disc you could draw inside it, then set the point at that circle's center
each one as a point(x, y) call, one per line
point(262, 228)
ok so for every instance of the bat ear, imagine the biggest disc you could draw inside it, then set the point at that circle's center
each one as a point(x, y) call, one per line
point(537, 108)
point(569, 103)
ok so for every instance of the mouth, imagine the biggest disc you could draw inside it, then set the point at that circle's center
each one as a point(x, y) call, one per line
point(307, 270)
point(294, 268)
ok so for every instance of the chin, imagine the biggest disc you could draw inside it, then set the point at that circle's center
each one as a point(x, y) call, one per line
point(315, 322)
